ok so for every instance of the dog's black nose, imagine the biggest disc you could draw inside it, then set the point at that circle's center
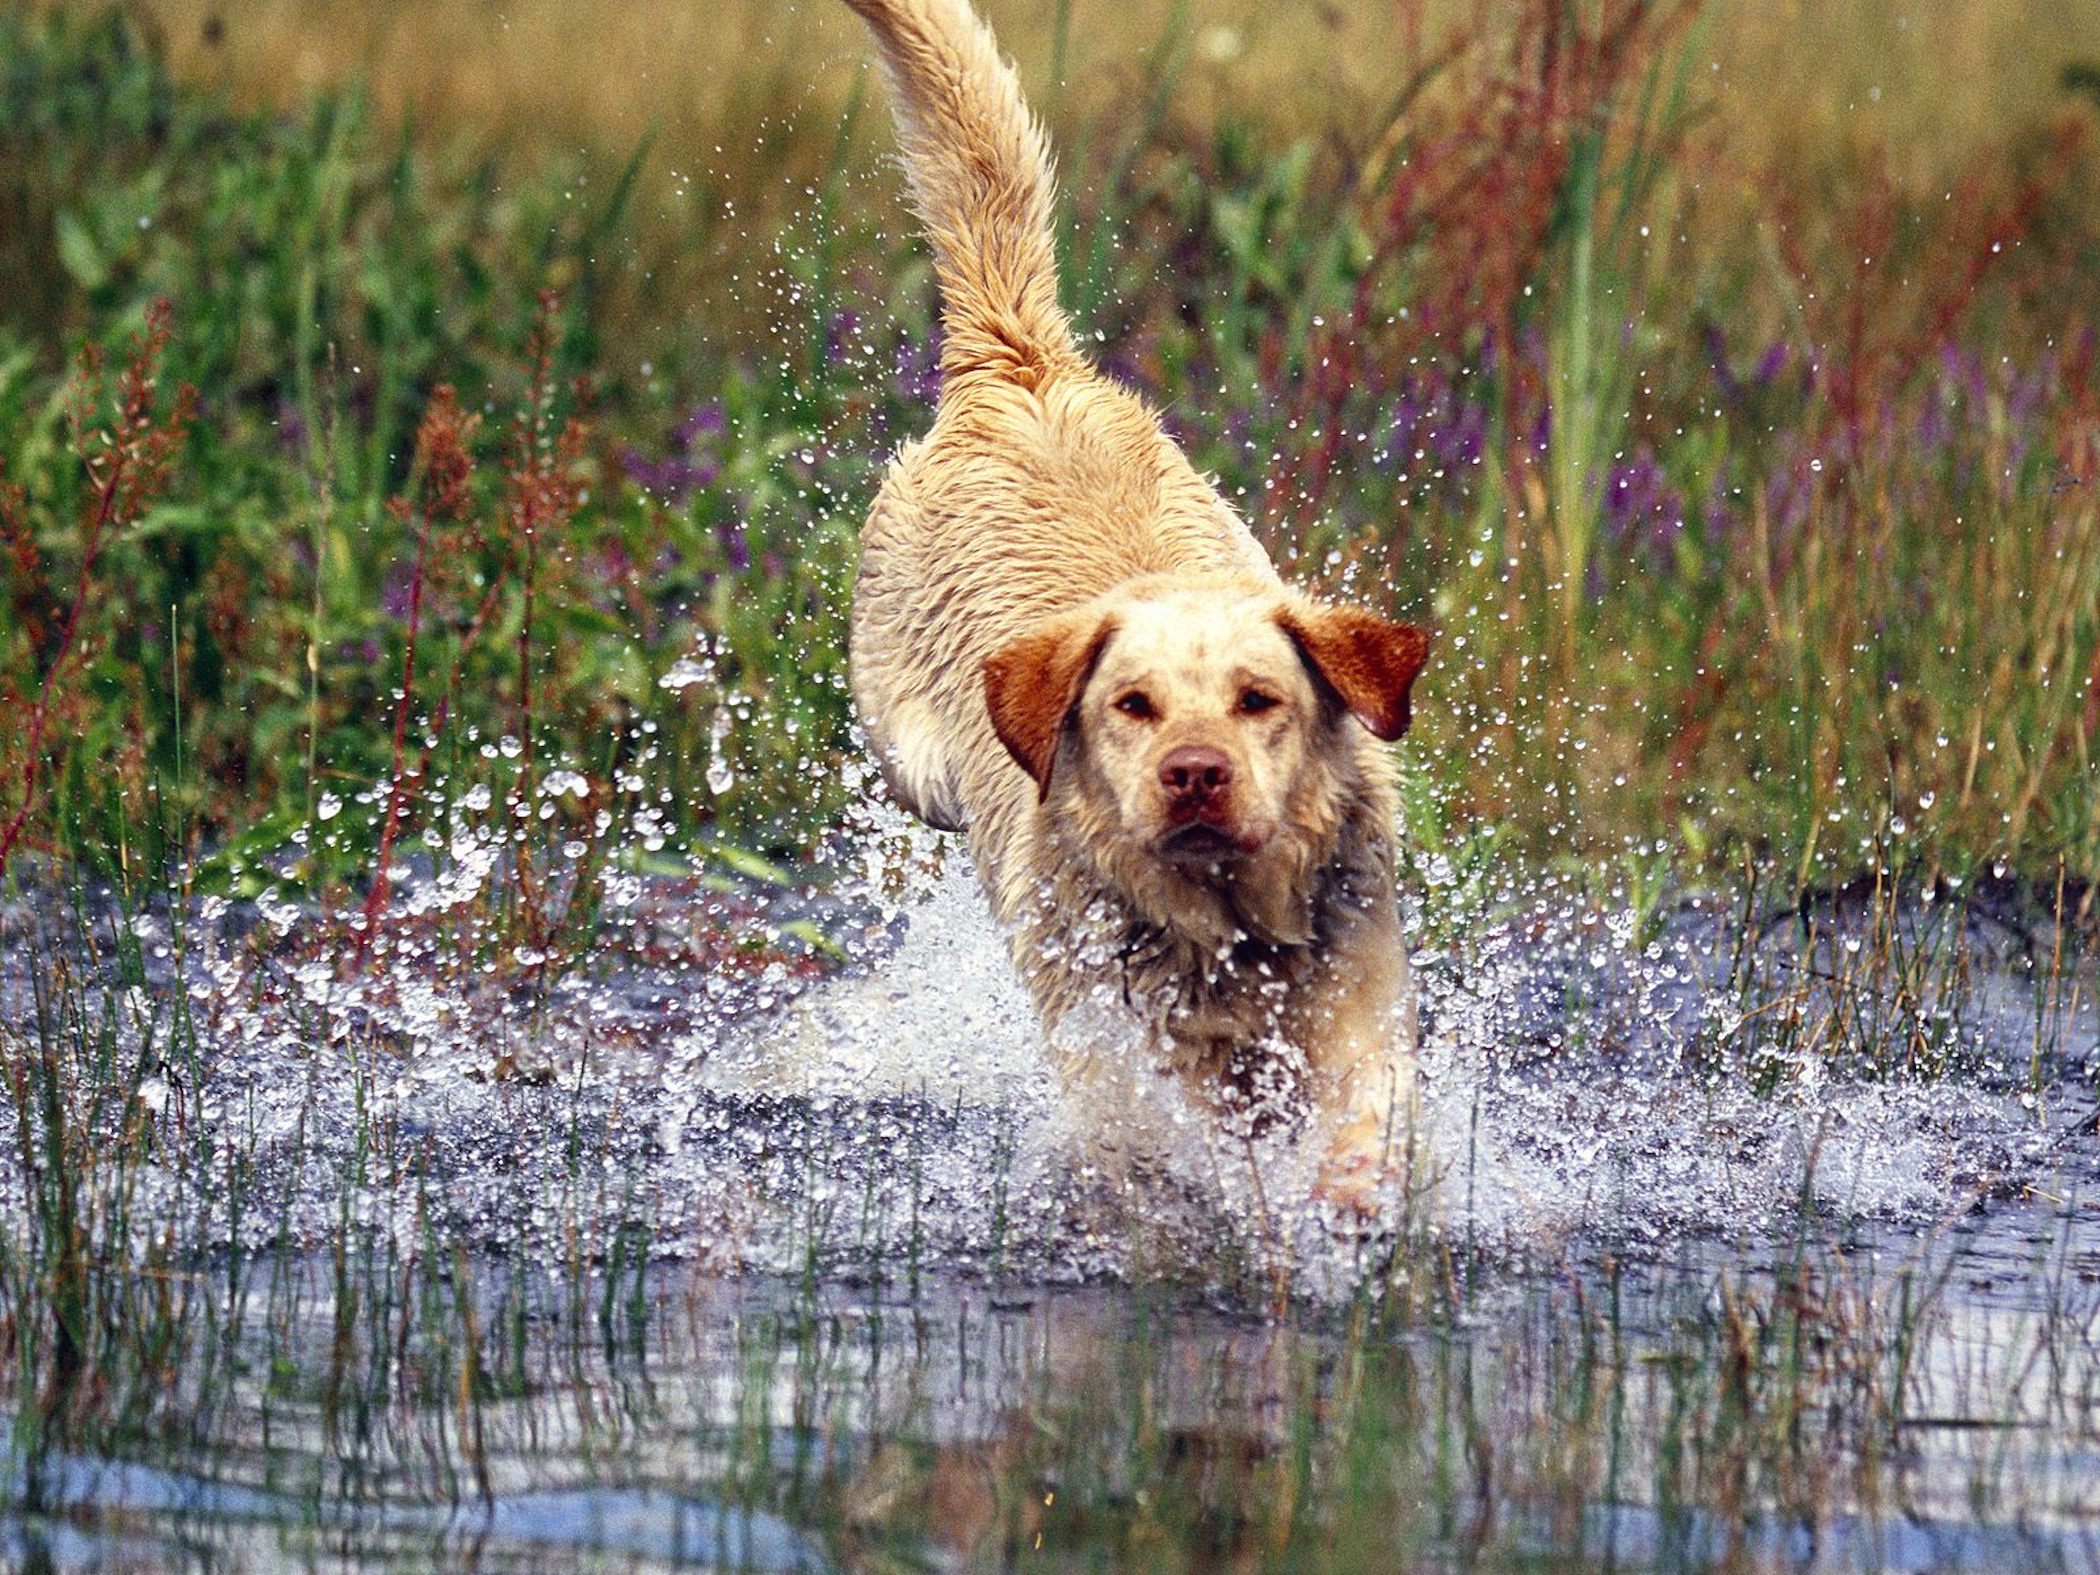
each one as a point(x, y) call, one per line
point(1195, 771)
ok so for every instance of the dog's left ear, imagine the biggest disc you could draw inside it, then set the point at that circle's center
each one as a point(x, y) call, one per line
point(1371, 662)
point(1031, 686)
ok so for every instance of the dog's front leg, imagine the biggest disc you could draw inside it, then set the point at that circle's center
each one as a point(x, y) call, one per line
point(1360, 1044)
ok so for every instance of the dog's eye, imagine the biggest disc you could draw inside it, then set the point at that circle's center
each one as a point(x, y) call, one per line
point(1135, 704)
point(1253, 702)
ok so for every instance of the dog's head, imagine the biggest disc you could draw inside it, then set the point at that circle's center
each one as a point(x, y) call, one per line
point(1197, 735)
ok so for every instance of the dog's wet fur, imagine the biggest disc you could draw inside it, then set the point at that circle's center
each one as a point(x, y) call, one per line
point(1067, 645)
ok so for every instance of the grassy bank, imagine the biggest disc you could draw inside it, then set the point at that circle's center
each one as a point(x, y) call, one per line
point(1745, 466)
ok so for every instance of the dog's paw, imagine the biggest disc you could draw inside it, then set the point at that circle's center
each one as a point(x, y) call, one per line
point(1357, 1193)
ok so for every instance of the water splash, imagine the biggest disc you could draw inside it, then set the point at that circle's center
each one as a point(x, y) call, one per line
point(1590, 1073)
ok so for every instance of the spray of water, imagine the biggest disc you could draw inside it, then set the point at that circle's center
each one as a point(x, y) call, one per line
point(1589, 1073)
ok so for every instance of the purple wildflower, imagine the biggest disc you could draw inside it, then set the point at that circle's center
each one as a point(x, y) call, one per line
point(1963, 371)
point(291, 427)
point(1716, 347)
point(396, 591)
point(1717, 516)
point(690, 463)
point(671, 478)
point(1642, 511)
point(1934, 426)
point(1790, 490)
point(704, 421)
point(735, 545)
point(2024, 398)
point(918, 379)
point(840, 334)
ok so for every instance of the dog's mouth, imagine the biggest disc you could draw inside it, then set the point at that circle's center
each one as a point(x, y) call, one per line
point(1200, 842)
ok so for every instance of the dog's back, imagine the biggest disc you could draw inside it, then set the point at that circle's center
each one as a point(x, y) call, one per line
point(1042, 484)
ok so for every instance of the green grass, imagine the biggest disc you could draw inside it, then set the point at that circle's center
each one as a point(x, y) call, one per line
point(1782, 553)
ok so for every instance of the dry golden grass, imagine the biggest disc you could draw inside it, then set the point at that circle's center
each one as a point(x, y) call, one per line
point(744, 97)
point(1930, 79)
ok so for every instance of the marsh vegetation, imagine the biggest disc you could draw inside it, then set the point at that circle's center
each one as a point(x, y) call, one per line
point(487, 1080)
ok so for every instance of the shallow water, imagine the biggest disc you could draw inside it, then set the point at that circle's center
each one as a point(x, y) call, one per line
point(765, 1424)
point(1580, 1084)
point(761, 1264)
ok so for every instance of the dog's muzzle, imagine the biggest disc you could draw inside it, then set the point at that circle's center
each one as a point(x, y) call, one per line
point(1197, 781)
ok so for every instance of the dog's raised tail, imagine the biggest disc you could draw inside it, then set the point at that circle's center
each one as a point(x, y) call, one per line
point(981, 181)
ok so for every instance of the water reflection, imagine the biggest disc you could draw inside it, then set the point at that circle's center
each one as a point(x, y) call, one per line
point(1803, 1404)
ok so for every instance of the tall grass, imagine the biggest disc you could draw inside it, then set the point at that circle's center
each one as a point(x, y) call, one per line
point(1773, 543)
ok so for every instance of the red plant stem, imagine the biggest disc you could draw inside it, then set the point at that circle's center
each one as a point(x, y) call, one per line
point(525, 640)
point(2092, 695)
point(40, 716)
point(375, 899)
point(526, 893)
point(529, 502)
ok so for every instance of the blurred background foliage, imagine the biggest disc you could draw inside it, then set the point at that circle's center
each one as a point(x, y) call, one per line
point(1719, 379)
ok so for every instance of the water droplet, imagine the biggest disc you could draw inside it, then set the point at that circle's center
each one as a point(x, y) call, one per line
point(720, 778)
point(685, 672)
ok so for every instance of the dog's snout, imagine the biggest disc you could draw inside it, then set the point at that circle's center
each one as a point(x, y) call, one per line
point(1195, 771)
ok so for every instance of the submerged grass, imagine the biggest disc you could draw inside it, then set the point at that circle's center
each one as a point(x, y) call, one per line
point(204, 1374)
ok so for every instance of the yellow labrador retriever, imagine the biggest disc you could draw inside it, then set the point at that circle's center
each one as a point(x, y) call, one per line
point(1066, 644)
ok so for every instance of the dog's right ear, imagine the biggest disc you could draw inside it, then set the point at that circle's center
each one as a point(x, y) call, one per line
point(1032, 685)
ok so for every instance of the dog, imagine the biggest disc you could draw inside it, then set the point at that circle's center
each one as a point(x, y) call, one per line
point(1065, 644)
